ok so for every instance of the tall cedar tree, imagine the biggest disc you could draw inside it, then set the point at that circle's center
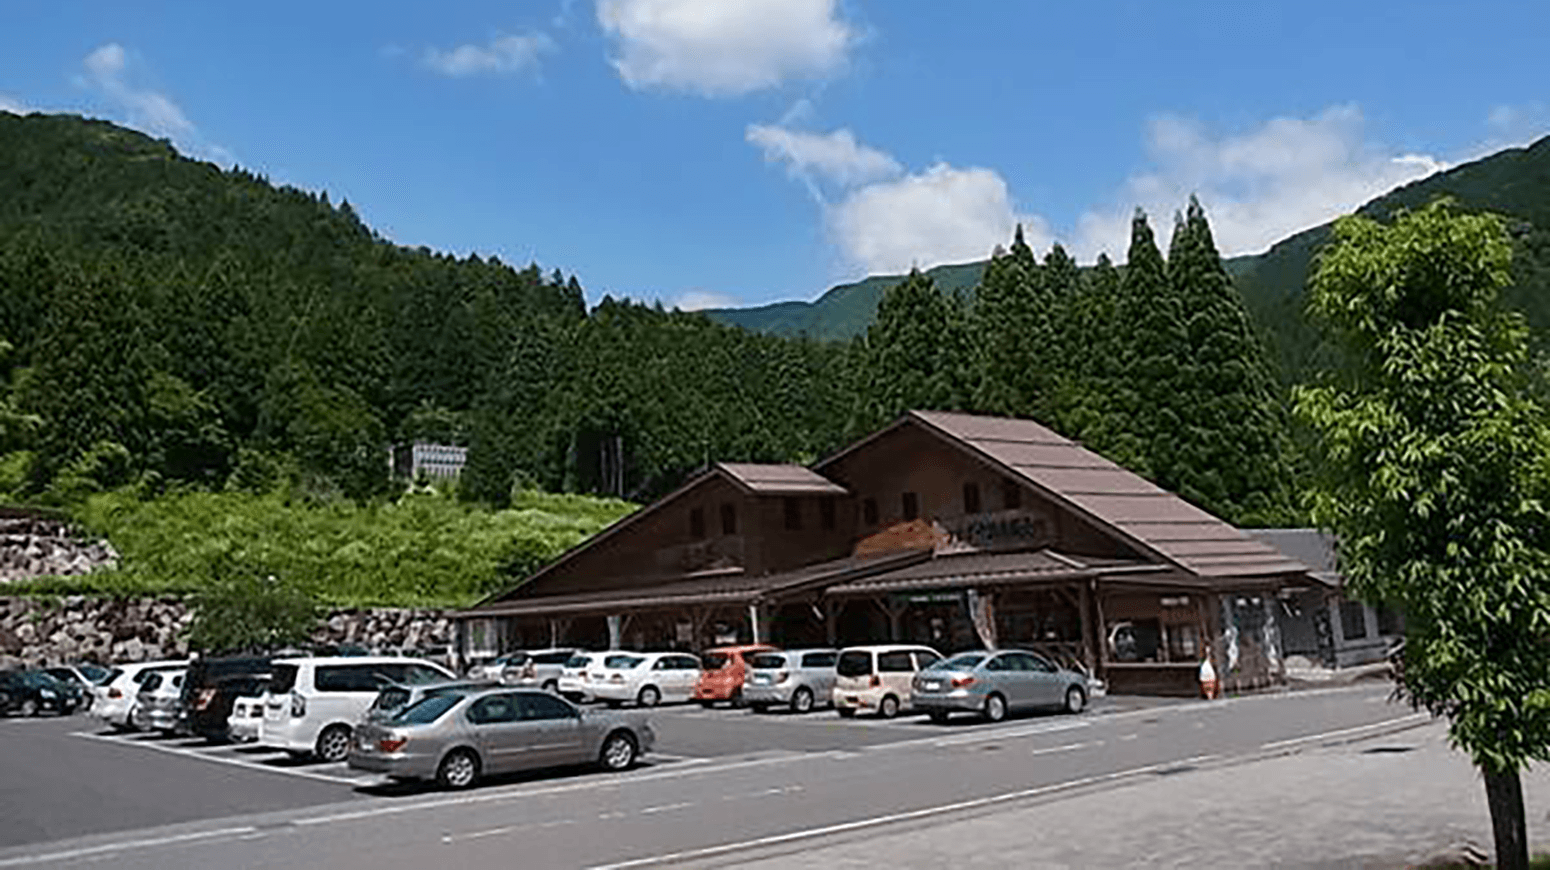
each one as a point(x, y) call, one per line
point(1436, 479)
point(1150, 340)
point(1011, 323)
point(1228, 453)
point(912, 356)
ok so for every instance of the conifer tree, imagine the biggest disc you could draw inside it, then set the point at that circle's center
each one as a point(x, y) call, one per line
point(912, 356)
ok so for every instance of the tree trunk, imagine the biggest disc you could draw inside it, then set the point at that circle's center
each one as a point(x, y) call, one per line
point(1504, 795)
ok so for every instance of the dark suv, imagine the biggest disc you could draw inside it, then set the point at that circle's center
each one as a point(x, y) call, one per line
point(29, 693)
point(209, 689)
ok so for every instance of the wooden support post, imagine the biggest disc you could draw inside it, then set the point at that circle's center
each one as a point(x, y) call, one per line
point(1102, 627)
point(1084, 609)
point(756, 627)
point(831, 621)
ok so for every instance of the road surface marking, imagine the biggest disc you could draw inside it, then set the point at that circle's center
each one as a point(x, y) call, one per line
point(1343, 732)
point(1130, 736)
point(1067, 748)
point(989, 734)
point(876, 821)
point(110, 848)
point(674, 772)
point(184, 752)
point(665, 808)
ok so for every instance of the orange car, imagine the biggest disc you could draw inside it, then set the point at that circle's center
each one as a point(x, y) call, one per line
point(722, 678)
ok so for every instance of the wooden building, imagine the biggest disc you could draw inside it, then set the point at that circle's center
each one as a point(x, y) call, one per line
point(953, 530)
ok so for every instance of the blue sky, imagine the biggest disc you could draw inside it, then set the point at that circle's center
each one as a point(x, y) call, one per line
point(746, 151)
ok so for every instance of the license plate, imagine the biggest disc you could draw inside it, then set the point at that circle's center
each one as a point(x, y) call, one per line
point(931, 685)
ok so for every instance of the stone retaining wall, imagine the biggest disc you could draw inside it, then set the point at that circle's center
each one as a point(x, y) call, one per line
point(33, 546)
point(111, 631)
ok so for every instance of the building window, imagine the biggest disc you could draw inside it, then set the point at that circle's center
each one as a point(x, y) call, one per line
point(1011, 495)
point(793, 514)
point(971, 498)
point(697, 523)
point(826, 514)
point(911, 506)
point(1353, 620)
point(728, 519)
point(869, 511)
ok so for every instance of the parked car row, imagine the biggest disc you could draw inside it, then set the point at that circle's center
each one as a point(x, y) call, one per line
point(885, 680)
point(31, 693)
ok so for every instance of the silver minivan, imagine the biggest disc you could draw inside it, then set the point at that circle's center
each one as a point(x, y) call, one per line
point(798, 678)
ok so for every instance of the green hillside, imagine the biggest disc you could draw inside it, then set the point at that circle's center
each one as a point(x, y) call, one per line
point(846, 310)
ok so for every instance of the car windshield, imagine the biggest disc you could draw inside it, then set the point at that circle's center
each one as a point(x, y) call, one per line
point(429, 709)
point(964, 662)
point(854, 664)
point(151, 682)
point(578, 661)
point(552, 658)
point(96, 673)
point(622, 663)
point(717, 661)
point(768, 661)
point(283, 679)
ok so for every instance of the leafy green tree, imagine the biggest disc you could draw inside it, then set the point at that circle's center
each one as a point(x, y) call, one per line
point(1011, 320)
point(1436, 479)
point(244, 609)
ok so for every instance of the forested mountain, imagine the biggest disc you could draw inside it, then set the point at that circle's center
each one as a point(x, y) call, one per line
point(174, 325)
point(1514, 182)
point(173, 322)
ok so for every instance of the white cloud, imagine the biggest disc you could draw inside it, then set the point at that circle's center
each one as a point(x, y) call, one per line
point(147, 110)
point(724, 47)
point(1259, 186)
point(942, 215)
point(697, 300)
point(835, 157)
point(13, 105)
point(503, 55)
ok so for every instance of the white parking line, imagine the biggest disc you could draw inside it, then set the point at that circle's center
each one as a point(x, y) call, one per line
point(1346, 732)
point(1069, 747)
point(877, 821)
point(189, 752)
point(109, 848)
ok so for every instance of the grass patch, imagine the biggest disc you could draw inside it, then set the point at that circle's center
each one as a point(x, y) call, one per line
point(424, 550)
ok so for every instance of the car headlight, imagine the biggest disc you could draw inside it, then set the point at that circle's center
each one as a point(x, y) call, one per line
point(47, 693)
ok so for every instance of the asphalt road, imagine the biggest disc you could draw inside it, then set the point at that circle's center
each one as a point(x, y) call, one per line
point(725, 781)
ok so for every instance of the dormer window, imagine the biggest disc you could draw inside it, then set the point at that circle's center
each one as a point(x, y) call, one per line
point(793, 514)
point(826, 514)
point(869, 511)
point(1011, 495)
point(729, 519)
point(911, 506)
point(697, 523)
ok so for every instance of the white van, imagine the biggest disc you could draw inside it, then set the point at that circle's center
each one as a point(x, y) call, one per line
point(878, 678)
point(313, 703)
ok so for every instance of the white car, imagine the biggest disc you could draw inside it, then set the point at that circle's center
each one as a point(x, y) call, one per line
point(313, 704)
point(648, 679)
point(246, 715)
point(540, 670)
point(494, 669)
point(113, 701)
point(879, 678)
point(575, 683)
point(156, 704)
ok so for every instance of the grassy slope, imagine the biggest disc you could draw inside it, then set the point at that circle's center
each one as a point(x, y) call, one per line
point(423, 551)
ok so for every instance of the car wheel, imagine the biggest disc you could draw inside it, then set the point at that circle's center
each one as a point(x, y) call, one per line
point(459, 770)
point(613, 704)
point(802, 700)
point(759, 707)
point(1076, 699)
point(649, 696)
point(706, 703)
point(995, 708)
point(334, 743)
point(552, 687)
point(29, 707)
point(939, 716)
point(888, 707)
point(619, 752)
point(736, 701)
point(846, 712)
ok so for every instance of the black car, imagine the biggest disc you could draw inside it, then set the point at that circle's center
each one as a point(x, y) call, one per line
point(211, 686)
point(28, 693)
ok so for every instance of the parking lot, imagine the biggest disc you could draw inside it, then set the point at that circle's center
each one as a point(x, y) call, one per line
point(71, 776)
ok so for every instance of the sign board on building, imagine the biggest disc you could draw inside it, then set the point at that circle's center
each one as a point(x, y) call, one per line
point(1000, 530)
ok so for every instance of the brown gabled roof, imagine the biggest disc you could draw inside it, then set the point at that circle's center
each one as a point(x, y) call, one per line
point(718, 587)
point(1144, 515)
point(779, 479)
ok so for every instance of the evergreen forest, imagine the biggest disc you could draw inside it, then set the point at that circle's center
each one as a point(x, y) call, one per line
point(179, 336)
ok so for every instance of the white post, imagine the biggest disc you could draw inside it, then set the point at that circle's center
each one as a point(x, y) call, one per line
point(754, 627)
point(615, 632)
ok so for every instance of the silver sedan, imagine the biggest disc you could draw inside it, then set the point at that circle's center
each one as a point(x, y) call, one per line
point(994, 682)
point(456, 737)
